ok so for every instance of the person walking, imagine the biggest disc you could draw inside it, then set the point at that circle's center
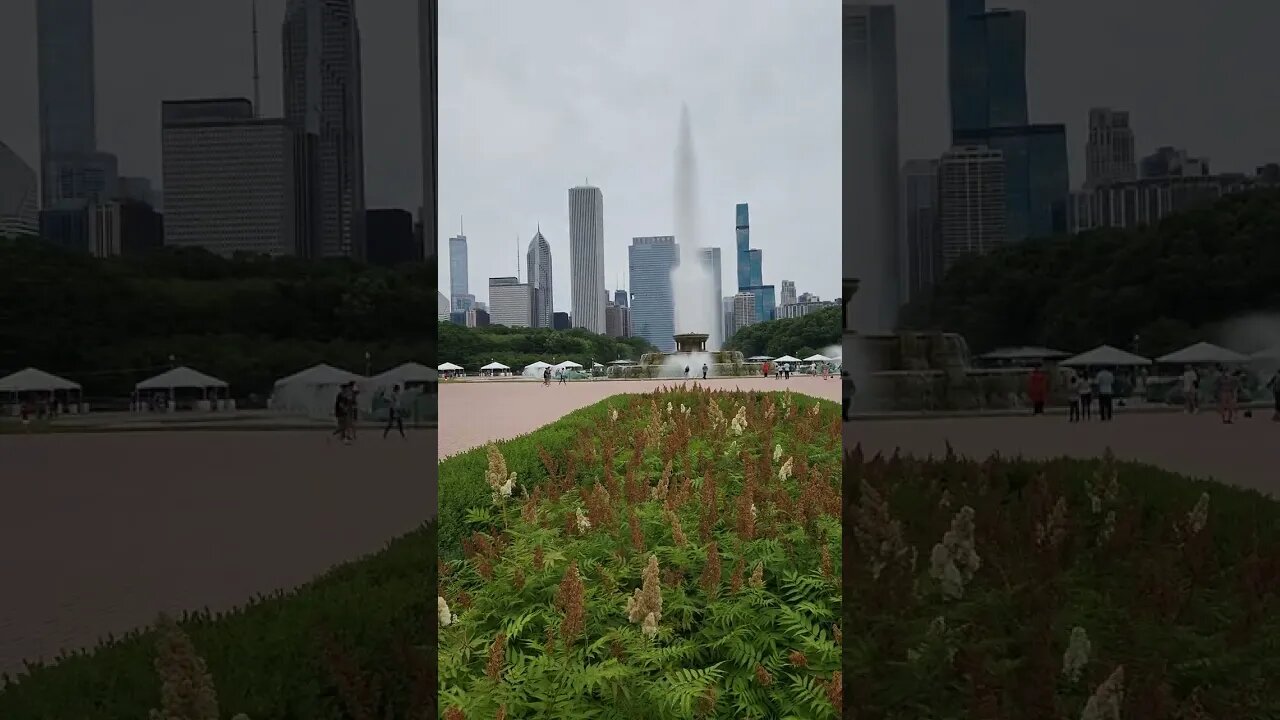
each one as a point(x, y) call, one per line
point(686, 372)
point(1228, 389)
point(1073, 390)
point(1105, 380)
point(1037, 390)
point(704, 371)
point(546, 376)
point(564, 376)
point(394, 419)
point(353, 410)
point(1191, 390)
point(341, 416)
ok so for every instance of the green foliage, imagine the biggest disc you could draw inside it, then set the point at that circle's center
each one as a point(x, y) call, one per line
point(1188, 611)
point(801, 337)
point(1173, 282)
point(473, 348)
point(651, 457)
point(277, 657)
point(249, 320)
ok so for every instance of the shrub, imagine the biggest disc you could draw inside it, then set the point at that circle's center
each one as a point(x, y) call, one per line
point(675, 557)
point(1057, 590)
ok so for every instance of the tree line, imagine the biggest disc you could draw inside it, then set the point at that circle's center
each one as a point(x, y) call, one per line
point(800, 337)
point(473, 348)
point(249, 320)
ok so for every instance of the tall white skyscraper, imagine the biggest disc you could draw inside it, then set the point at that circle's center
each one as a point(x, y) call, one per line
point(322, 95)
point(972, 210)
point(710, 257)
point(788, 293)
point(871, 165)
point(586, 257)
point(539, 261)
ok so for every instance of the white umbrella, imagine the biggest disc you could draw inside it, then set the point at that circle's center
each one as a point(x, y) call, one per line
point(448, 367)
point(1203, 353)
point(1106, 355)
point(786, 359)
point(495, 365)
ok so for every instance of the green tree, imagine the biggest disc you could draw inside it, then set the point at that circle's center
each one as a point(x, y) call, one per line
point(808, 335)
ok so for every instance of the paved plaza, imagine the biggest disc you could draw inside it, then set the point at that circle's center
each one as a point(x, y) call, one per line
point(101, 531)
point(476, 412)
point(1246, 453)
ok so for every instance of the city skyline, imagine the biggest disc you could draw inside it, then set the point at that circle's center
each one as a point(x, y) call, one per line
point(607, 114)
point(206, 52)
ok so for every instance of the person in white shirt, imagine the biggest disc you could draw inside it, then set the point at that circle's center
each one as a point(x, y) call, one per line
point(1191, 389)
point(394, 419)
point(1085, 392)
point(1106, 388)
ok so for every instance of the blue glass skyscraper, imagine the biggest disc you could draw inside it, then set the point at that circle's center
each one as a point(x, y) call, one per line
point(986, 73)
point(1037, 184)
point(744, 247)
point(650, 261)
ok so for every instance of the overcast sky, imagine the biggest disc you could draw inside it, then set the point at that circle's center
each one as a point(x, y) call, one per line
point(153, 50)
point(536, 97)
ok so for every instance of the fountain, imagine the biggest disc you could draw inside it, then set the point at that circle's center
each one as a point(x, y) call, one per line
point(691, 352)
point(909, 370)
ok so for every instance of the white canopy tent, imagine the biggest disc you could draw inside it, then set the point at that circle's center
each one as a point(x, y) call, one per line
point(623, 362)
point(410, 373)
point(34, 380)
point(1203, 353)
point(760, 358)
point(1025, 353)
point(569, 364)
point(787, 359)
point(534, 369)
point(448, 367)
point(818, 357)
point(182, 378)
point(495, 368)
point(311, 392)
point(1105, 355)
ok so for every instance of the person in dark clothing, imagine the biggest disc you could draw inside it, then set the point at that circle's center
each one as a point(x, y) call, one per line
point(848, 392)
point(686, 372)
point(546, 376)
point(342, 414)
point(1274, 386)
point(704, 371)
point(394, 418)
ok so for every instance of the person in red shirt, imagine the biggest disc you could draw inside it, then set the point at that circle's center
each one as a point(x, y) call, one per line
point(1038, 390)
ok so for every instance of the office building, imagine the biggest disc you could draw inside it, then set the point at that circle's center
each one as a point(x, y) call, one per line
point(620, 298)
point(65, 69)
point(616, 319)
point(986, 67)
point(1037, 181)
point(788, 293)
point(538, 260)
point(744, 310)
point(390, 238)
point(710, 259)
point(586, 258)
point(800, 309)
point(726, 312)
point(971, 202)
point(650, 261)
point(870, 248)
point(808, 298)
point(458, 284)
point(323, 98)
point(141, 227)
point(766, 307)
point(478, 317)
point(138, 189)
point(19, 196)
point(560, 321)
point(234, 182)
point(463, 302)
point(749, 270)
point(1108, 153)
point(1173, 162)
point(428, 55)
point(921, 251)
point(1137, 203)
point(510, 302)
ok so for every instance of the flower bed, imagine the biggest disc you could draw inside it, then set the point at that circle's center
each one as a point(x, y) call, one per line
point(1067, 589)
point(677, 557)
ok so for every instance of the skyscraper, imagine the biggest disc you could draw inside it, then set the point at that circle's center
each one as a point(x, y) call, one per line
point(19, 196)
point(747, 275)
point(322, 95)
point(64, 60)
point(427, 75)
point(788, 293)
point(1037, 180)
point(744, 310)
point(538, 260)
point(1109, 156)
point(234, 182)
point(620, 298)
point(510, 302)
point(650, 261)
point(971, 202)
point(986, 68)
point(710, 259)
point(586, 258)
point(921, 251)
point(871, 165)
point(458, 284)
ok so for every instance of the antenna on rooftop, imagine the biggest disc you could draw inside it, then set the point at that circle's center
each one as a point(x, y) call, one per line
point(257, 85)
